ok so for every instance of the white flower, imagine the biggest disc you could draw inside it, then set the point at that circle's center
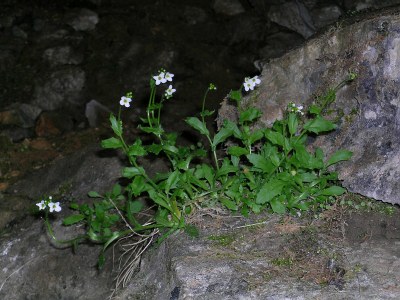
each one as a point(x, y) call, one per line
point(255, 80)
point(41, 205)
point(295, 109)
point(125, 101)
point(160, 78)
point(169, 91)
point(248, 84)
point(168, 76)
point(54, 206)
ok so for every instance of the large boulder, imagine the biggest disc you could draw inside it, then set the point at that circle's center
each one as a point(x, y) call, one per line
point(370, 123)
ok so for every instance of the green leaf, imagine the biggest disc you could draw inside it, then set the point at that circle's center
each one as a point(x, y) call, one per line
point(155, 130)
point(93, 194)
point(154, 148)
point(198, 125)
point(269, 190)
point(207, 113)
point(221, 136)
point(138, 186)
point(275, 137)
point(111, 143)
point(234, 128)
point(158, 199)
point(172, 180)
point(229, 204)
point(333, 191)
point(235, 95)
point(277, 205)
point(135, 206)
point(249, 115)
point(116, 125)
point(237, 151)
point(192, 231)
point(318, 125)
point(116, 191)
point(339, 155)
point(73, 219)
point(261, 163)
point(292, 123)
point(130, 172)
point(315, 110)
point(256, 135)
point(137, 149)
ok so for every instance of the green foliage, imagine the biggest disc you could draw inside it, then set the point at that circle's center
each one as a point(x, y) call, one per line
point(270, 168)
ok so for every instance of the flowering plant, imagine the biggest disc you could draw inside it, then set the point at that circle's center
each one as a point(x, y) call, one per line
point(262, 169)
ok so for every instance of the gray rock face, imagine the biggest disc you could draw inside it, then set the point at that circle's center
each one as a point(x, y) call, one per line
point(293, 15)
point(62, 86)
point(228, 7)
point(371, 105)
point(83, 19)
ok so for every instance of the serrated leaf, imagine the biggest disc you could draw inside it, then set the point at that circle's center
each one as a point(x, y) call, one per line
point(234, 128)
point(249, 115)
point(198, 125)
point(73, 219)
point(269, 190)
point(137, 149)
point(154, 148)
point(261, 163)
point(275, 137)
point(277, 206)
point(111, 143)
point(339, 155)
point(256, 135)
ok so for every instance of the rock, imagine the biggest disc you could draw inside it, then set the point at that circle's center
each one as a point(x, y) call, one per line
point(235, 260)
point(61, 88)
point(325, 15)
point(17, 134)
point(371, 105)
point(53, 124)
point(62, 55)
point(279, 43)
point(366, 4)
point(20, 114)
point(228, 7)
point(32, 269)
point(82, 20)
point(86, 170)
point(96, 113)
point(293, 15)
point(194, 15)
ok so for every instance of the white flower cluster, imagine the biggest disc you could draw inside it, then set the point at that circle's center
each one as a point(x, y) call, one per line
point(53, 206)
point(250, 83)
point(162, 77)
point(295, 108)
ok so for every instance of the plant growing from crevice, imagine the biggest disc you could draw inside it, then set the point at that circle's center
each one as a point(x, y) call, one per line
point(262, 169)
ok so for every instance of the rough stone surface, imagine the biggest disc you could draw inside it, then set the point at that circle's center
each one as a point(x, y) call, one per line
point(62, 86)
point(370, 125)
point(234, 261)
point(293, 15)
